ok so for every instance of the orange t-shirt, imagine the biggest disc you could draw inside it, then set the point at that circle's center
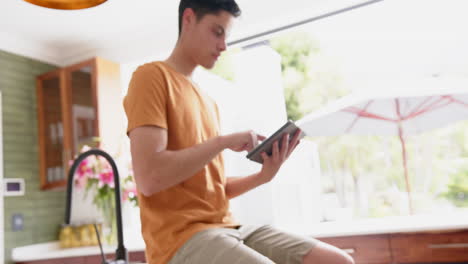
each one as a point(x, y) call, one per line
point(160, 96)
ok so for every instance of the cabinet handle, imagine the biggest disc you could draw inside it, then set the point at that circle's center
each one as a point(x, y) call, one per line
point(454, 245)
point(349, 250)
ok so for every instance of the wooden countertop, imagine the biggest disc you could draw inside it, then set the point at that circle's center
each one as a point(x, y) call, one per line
point(407, 224)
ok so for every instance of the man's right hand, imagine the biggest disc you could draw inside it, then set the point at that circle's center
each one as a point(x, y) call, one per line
point(241, 141)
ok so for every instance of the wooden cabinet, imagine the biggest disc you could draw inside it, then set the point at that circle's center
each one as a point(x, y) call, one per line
point(371, 249)
point(68, 117)
point(425, 247)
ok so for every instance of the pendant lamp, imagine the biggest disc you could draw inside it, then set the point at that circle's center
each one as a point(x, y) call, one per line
point(66, 4)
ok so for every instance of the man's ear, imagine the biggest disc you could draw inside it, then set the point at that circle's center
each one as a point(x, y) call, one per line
point(188, 17)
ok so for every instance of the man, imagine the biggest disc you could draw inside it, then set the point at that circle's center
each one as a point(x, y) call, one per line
point(176, 152)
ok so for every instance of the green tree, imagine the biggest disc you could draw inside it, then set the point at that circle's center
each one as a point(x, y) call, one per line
point(307, 86)
point(458, 188)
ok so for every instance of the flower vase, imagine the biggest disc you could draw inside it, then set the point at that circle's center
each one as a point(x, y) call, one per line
point(109, 229)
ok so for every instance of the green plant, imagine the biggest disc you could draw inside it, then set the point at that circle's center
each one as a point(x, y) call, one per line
point(458, 188)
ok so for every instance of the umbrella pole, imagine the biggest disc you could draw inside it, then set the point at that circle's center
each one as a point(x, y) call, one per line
point(405, 166)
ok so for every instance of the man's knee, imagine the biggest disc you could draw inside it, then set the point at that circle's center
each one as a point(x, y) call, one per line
point(325, 253)
point(342, 258)
point(348, 259)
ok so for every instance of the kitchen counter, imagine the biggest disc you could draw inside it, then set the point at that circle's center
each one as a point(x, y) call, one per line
point(398, 224)
point(392, 225)
point(52, 250)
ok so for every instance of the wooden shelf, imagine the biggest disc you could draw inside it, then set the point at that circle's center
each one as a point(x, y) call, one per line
point(68, 115)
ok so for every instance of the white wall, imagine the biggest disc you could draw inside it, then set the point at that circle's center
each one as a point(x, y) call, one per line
point(297, 191)
point(256, 102)
point(111, 112)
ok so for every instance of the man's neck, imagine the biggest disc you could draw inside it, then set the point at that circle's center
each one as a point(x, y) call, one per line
point(181, 62)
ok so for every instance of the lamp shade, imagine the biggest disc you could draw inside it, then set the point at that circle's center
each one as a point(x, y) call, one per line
point(66, 4)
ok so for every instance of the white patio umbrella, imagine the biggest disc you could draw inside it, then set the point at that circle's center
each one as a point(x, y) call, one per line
point(399, 113)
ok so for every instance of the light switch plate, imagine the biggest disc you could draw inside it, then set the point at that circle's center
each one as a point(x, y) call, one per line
point(17, 222)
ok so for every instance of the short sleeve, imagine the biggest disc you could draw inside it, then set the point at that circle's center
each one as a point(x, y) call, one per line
point(146, 100)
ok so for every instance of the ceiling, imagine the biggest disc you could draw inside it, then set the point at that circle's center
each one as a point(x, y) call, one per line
point(125, 31)
point(397, 39)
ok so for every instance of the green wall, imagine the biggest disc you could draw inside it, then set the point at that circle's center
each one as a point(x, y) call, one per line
point(43, 212)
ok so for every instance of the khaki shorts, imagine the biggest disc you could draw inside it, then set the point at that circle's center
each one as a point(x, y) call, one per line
point(245, 245)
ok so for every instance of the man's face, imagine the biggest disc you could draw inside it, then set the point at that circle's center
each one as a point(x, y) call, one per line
point(207, 37)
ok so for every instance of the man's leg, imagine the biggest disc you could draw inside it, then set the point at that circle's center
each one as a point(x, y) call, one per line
point(217, 246)
point(325, 253)
point(284, 248)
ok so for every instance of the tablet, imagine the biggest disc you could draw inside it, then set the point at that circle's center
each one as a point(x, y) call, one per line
point(267, 144)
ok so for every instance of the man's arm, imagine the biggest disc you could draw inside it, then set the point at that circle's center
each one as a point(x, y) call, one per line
point(236, 186)
point(157, 168)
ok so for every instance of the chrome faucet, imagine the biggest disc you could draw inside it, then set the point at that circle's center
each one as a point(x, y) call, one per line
point(121, 254)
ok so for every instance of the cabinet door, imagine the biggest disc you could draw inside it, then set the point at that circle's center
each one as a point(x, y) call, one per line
point(430, 247)
point(369, 249)
point(82, 106)
point(51, 129)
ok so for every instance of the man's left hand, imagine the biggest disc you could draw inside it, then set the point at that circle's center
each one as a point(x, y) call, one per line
point(272, 163)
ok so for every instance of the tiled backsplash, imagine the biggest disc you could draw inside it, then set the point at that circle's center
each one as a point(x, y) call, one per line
point(43, 212)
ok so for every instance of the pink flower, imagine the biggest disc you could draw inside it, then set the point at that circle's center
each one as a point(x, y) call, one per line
point(80, 182)
point(84, 169)
point(83, 172)
point(129, 193)
point(106, 178)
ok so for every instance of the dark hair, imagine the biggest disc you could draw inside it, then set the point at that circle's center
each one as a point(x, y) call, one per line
point(205, 7)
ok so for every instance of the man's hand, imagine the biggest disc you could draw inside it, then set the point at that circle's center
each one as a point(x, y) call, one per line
point(271, 164)
point(241, 141)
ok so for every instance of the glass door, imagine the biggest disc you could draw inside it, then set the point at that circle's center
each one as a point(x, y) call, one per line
point(51, 130)
point(81, 81)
